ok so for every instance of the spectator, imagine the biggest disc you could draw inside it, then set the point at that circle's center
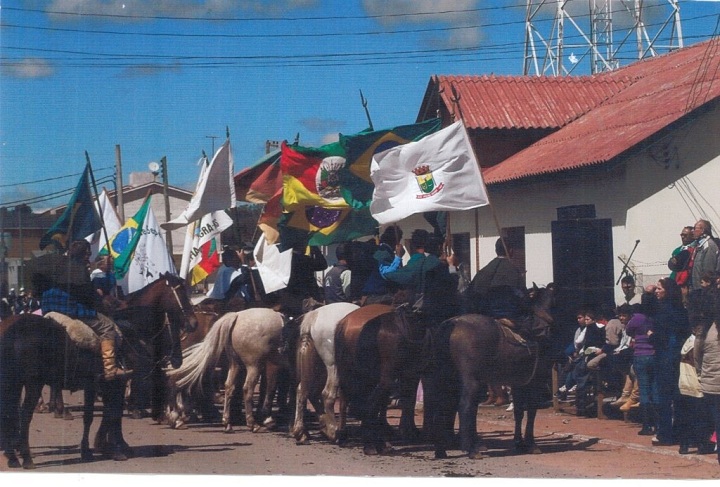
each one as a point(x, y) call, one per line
point(707, 354)
point(628, 286)
point(594, 341)
point(621, 359)
point(574, 355)
point(337, 280)
point(693, 418)
point(681, 259)
point(705, 258)
point(644, 365)
point(103, 277)
point(671, 329)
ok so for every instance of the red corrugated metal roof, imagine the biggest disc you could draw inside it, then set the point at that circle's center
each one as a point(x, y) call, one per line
point(662, 90)
point(526, 102)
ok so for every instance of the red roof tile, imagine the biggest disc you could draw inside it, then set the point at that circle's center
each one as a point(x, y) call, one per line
point(526, 102)
point(662, 90)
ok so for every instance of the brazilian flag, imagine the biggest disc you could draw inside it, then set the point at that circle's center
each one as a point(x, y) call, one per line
point(121, 246)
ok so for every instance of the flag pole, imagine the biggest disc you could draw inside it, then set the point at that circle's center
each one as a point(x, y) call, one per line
point(97, 199)
point(364, 102)
point(456, 101)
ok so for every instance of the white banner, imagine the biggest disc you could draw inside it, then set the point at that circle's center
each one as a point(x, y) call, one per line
point(151, 257)
point(437, 173)
point(274, 266)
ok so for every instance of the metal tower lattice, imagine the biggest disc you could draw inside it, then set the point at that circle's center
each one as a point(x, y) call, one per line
point(579, 34)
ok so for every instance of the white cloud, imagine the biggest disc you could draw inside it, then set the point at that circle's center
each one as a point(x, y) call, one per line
point(448, 13)
point(173, 8)
point(28, 68)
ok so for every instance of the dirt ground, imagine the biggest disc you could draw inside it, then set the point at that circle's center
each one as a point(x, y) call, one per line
point(573, 447)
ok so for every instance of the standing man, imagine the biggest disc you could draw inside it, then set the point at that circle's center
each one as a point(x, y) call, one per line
point(64, 286)
point(337, 280)
point(705, 257)
point(681, 258)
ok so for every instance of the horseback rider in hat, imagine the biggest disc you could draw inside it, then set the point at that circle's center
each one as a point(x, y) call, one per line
point(63, 283)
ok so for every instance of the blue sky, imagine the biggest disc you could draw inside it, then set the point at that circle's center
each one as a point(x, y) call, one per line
point(162, 78)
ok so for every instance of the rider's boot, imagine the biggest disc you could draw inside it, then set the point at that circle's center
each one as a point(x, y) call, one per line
point(111, 371)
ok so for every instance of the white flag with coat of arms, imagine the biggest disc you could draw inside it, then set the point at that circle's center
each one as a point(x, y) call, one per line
point(436, 173)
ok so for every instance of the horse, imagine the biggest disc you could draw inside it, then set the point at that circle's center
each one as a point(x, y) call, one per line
point(252, 339)
point(36, 351)
point(472, 350)
point(315, 358)
point(375, 346)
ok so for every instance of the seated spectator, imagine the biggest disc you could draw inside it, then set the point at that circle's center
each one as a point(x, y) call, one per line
point(573, 353)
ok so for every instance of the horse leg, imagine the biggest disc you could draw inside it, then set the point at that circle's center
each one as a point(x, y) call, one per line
point(530, 432)
point(329, 396)
point(230, 381)
point(373, 425)
point(58, 404)
point(86, 454)
point(265, 413)
point(32, 393)
point(408, 398)
point(251, 380)
point(518, 415)
point(468, 406)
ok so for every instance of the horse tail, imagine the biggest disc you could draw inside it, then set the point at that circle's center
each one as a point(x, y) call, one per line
point(205, 355)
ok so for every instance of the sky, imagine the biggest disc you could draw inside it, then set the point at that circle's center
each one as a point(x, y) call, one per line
point(169, 77)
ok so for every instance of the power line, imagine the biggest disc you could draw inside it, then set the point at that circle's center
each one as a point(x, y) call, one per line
point(53, 179)
point(267, 19)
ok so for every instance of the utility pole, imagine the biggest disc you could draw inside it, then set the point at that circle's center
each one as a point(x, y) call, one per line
point(163, 172)
point(120, 203)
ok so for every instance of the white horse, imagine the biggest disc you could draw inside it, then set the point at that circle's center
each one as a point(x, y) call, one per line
point(252, 339)
point(316, 348)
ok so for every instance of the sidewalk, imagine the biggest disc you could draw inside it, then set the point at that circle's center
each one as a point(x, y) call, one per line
point(612, 431)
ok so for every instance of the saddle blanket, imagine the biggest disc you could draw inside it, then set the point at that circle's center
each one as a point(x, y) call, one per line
point(81, 335)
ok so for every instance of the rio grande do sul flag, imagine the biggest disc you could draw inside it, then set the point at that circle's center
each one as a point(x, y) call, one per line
point(437, 173)
point(201, 253)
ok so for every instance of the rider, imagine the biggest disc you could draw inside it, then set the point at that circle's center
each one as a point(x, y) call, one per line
point(64, 286)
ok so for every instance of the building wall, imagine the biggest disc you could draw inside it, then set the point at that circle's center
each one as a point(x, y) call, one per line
point(646, 199)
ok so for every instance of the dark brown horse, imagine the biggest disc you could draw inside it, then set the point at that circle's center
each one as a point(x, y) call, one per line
point(375, 347)
point(473, 350)
point(36, 351)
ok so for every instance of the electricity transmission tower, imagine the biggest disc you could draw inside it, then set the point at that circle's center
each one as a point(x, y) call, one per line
point(581, 33)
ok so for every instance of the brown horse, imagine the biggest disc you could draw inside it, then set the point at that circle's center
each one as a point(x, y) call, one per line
point(472, 350)
point(375, 346)
point(36, 351)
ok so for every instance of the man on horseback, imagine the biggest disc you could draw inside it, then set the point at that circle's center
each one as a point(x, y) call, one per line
point(64, 286)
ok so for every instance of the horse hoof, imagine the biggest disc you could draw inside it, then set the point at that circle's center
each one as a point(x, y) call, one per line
point(440, 455)
point(370, 451)
point(13, 462)
point(180, 425)
point(29, 465)
point(119, 457)
point(228, 430)
point(477, 455)
point(86, 457)
point(67, 416)
point(259, 429)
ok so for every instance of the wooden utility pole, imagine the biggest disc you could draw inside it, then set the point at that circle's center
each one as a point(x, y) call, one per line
point(168, 234)
point(120, 204)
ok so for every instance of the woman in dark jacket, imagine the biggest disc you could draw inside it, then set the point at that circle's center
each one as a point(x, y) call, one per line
point(670, 331)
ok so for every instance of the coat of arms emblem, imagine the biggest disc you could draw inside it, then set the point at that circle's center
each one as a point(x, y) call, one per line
point(426, 182)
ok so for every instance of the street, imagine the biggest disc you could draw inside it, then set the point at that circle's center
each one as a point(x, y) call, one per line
point(573, 447)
